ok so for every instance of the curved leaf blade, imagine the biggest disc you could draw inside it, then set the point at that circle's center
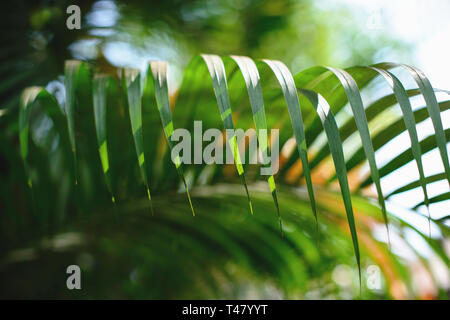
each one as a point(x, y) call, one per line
point(418, 183)
point(132, 85)
point(289, 89)
point(331, 130)
point(354, 98)
point(426, 145)
point(410, 124)
point(251, 77)
point(72, 78)
point(100, 85)
point(159, 73)
point(216, 70)
point(433, 109)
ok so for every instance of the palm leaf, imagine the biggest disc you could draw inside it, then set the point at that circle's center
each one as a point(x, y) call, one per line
point(410, 124)
point(327, 90)
point(433, 109)
point(159, 72)
point(252, 81)
point(426, 145)
point(287, 84)
point(73, 77)
point(331, 129)
point(99, 88)
point(216, 69)
point(51, 108)
point(133, 91)
point(418, 183)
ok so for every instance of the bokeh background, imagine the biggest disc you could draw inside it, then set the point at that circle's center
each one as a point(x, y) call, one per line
point(339, 33)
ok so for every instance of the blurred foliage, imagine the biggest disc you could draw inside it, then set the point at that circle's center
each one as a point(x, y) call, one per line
point(299, 33)
point(223, 252)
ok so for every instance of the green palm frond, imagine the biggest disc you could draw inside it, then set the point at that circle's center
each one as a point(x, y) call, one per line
point(125, 113)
